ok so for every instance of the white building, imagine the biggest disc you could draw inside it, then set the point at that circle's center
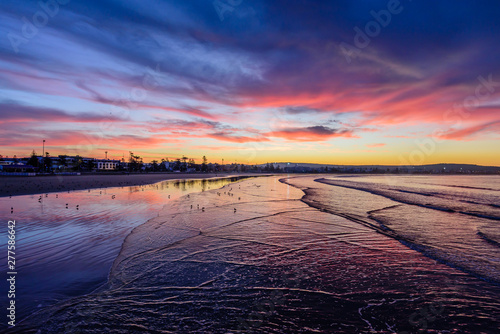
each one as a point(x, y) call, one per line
point(107, 164)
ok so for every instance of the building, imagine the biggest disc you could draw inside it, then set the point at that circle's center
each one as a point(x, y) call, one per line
point(107, 164)
point(15, 168)
point(167, 164)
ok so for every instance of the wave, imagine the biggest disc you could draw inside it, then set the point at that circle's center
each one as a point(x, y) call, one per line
point(489, 238)
point(414, 225)
point(480, 215)
point(468, 187)
point(397, 195)
point(274, 266)
point(415, 192)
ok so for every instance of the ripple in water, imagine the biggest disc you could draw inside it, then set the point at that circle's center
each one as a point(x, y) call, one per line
point(259, 256)
point(67, 241)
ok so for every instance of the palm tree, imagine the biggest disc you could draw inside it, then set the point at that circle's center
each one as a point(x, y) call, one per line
point(204, 164)
point(78, 164)
point(33, 160)
point(47, 162)
point(155, 165)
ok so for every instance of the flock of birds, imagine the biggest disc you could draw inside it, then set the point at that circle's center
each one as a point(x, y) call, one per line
point(229, 193)
point(28, 187)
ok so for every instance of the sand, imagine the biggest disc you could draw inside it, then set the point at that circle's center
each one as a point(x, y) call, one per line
point(253, 257)
point(27, 185)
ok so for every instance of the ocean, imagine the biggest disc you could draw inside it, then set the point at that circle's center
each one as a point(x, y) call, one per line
point(299, 253)
point(453, 219)
point(67, 241)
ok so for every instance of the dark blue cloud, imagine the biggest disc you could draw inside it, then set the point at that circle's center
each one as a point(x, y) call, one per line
point(260, 48)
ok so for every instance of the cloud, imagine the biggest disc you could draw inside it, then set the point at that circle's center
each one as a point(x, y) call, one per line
point(77, 142)
point(206, 77)
point(185, 110)
point(213, 148)
point(471, 132)
point(14, 112)
point(165, 125)
point(300, 110)
point(376, 145)
point(312, 133)
point(236, 139)
point(229, 137)
point(135, 103)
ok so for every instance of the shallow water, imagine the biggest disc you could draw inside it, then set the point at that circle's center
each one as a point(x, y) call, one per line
point(67, 241)
point(254, 257)
point(454, 219)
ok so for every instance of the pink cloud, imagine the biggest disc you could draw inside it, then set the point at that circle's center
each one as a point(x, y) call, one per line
point(213, 148)
point(13, 112)
point(376, 145)
point(225, 136)
point(470, 132)
point(313, 133)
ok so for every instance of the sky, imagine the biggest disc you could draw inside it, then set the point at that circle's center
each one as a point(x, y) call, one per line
point(330, 82)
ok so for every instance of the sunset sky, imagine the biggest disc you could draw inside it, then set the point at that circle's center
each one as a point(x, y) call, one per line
point(338, 82)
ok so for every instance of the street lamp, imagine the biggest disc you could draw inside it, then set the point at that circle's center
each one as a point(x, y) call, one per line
point(43, 154)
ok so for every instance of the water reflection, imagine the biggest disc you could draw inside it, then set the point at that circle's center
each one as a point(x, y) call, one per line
point(66, 242)
point(275, 266)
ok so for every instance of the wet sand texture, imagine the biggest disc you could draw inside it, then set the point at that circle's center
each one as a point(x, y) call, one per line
point(252, 257)
point(26, 185)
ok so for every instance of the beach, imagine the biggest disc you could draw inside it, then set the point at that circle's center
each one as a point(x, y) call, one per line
point(27, 185)
point(274, 255)
point(69, 240)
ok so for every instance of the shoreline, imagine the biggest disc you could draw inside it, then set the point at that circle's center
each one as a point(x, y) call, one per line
point(102, 283)
point(32, 185)
point(260, 249)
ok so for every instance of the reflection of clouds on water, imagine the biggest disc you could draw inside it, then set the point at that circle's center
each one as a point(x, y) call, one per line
point(274, 265)
point(67, 250)
point(437, 220)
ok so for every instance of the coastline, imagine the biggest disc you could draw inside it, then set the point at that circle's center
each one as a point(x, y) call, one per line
point(254, 256)
point(32, 185)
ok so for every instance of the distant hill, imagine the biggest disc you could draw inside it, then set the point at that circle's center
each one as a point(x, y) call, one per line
point(443, 167)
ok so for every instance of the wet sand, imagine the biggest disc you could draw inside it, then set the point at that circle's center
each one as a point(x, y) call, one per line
point(253, 257)
point(28, 185)
point(70, 240)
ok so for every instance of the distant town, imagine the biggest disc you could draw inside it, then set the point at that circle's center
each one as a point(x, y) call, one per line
point(74, 165)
